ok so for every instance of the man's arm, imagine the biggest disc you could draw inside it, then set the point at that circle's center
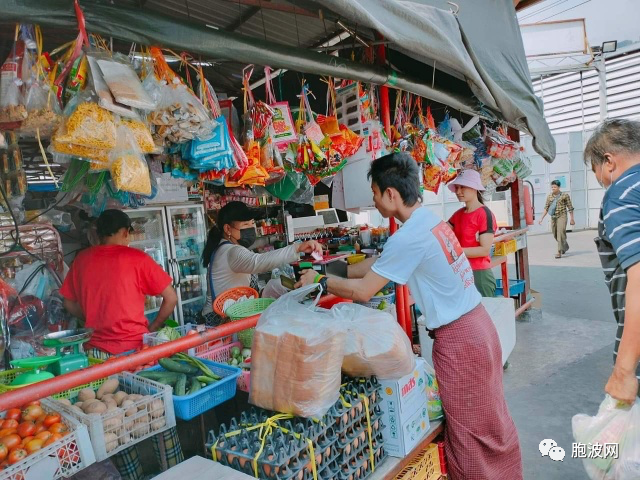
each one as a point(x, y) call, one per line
point(572, 220)
point(73, 308)
point(546, 209)
point(359, 270)
point(169, 302)
point(360, 290)
point(484, 250)
point(623, 383)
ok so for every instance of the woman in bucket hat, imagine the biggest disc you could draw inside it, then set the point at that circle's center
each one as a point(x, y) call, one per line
point(475, 226)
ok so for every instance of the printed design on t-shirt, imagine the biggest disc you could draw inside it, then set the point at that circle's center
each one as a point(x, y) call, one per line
point(448, 241)
point(453, 252)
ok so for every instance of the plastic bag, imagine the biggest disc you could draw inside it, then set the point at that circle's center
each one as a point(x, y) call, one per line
point(12, 107)
point(123, 82)
point(375, 343)
point(129, 169)
point(43, 111)
point(297, 357)
point(88, 125)
point(612, 425)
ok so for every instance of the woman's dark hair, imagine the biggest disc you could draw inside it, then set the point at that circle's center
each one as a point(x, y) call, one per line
point(480, 197)
point(213, 240)
point(400, 171)
point(556, 183)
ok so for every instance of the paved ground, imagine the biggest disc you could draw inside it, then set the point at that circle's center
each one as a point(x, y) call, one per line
point(563, 354)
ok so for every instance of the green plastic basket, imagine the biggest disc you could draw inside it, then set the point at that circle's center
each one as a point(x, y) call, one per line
point(245, 337)
point(248, 308)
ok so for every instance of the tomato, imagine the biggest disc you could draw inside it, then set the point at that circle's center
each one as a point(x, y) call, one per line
point(44, 436)
point(40, 428)
point(4, 451)
point(7, 431)
point(27, 429)
point(11, 441)
point(51, 419)
point(26, 440)
point(41, 418)
point(10, 424)
point(53, 438)
point(16, 455)
point(32, 412)
point(58, 428)
point(34, 445)
point(34, 402)
point(13, 414)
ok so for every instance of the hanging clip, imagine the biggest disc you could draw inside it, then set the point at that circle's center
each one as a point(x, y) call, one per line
point(457, 8)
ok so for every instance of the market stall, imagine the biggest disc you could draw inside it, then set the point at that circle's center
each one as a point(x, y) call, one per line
point(147, 133)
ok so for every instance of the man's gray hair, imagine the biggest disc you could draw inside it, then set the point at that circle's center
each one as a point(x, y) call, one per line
point(612, 136)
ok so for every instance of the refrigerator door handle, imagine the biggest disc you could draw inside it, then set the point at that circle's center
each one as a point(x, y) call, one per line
point(175, 273)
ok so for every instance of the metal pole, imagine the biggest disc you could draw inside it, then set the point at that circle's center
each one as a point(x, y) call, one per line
point(602, 77)
point(385, 113)
point(19, 397)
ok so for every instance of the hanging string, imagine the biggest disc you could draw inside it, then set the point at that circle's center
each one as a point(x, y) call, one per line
point(268, 86)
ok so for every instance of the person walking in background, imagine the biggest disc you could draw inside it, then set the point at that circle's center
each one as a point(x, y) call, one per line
point(475, 226)
point(613, 152)
point(557, 206)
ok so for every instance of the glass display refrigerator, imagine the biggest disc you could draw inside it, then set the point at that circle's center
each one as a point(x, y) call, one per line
point(174, 236)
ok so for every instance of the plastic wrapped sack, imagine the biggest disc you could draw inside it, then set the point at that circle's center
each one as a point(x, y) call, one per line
point(297, 357)
point(613, 424)
point(129, 169)
point(375, 343)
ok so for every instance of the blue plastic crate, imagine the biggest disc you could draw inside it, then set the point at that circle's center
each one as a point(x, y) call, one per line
point(190, 406)
point(516, 287)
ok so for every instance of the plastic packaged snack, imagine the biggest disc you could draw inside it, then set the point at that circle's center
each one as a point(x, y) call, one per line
point(297, 357)
point(12, 107)
point(375, 343)
point(141, 133)
point(43, 111)
point(123, 82)
point(89, 126)
point(105, 98)
point(129, 170)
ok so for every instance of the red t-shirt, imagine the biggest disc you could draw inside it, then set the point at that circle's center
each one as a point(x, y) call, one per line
point(469, 226)
point(110, 283)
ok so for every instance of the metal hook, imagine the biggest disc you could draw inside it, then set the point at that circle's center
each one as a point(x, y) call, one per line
point(457, 8)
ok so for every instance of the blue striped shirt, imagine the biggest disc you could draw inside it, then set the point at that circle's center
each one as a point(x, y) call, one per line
point(621, 215)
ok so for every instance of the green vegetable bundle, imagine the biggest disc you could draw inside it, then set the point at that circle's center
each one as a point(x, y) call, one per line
point(185, 374)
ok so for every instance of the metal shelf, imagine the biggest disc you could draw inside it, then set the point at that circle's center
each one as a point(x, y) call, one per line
point(191, 300)
point(153, 310)
point(146, 242)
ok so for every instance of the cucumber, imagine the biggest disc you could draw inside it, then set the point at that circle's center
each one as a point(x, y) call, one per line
point(177, 367)
point(207, 380)
point(181, 386)
point(195, 385)
point(167, 378)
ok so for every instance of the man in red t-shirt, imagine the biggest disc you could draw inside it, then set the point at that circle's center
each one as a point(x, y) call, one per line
point(107, 285)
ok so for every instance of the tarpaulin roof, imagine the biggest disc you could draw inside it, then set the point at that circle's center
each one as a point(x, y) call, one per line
point(480, 45)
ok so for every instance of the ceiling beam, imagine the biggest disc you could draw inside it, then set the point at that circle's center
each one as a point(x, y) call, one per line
point(247, 15)
point(278, 7)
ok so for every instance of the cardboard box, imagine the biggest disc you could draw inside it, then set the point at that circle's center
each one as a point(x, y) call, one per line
point(404, 406)
point(538, 299)
point(321, 202)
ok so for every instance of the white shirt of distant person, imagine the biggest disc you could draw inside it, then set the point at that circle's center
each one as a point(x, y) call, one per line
point(549, 448)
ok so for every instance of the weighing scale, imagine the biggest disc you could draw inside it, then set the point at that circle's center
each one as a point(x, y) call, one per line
point(38, 374)
point(68, 345)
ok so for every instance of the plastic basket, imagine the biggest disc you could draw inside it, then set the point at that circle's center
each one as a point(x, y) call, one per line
point(223, 355)
point(248, 308)
point(516, 287)
point(357, 258)
point(505, 248)
point(149, 420)
point(232, 294)
point(63, 458)
point(246, 337)
point(189, 406)
point(425, 467)
point(151, 339)
point(7, 376)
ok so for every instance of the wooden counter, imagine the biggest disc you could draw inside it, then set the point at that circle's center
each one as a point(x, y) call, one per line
point(392, 466)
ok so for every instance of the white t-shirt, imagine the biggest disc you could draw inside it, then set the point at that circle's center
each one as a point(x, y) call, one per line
point(426, 255)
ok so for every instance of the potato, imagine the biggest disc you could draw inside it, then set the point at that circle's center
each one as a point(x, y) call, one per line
point(158, 424)
point(86, 394)
point(64, 401)
point(156, 409)
point(120, 397)
point(108, 396)
point(110, 441)
point(114, 421)
point(110, 386)
point(128, 406)
point(135, 397)
point(124, 438)
point(79, 404)
point(110, 403)
point(95, 407)
point(140, 427)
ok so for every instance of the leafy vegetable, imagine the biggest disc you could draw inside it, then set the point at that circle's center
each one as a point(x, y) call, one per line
point(166, 334)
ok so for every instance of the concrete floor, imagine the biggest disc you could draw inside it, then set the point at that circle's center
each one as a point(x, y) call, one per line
point(563, 354)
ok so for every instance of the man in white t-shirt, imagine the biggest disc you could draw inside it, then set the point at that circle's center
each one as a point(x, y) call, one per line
point(481, 440)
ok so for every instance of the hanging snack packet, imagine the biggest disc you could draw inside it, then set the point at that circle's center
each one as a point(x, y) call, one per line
point(432, 177)
point(123, 82)
point(89, 126)
point(129, 170)
point(43, 111)
point(12, 107)
point(141, 133)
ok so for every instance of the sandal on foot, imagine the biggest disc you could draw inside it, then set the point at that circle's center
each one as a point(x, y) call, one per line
point(559, 255)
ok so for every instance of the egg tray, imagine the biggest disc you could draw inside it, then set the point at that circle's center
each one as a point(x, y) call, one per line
point(312, 429)
point(375, 413)
point(359, 472)
point(355, 440)
point(343, 417)
point(345, 458)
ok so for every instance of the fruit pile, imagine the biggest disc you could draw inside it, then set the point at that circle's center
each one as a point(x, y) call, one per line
point(24, 431)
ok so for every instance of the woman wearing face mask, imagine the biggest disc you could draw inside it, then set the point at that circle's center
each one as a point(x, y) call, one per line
point(474, 226)
point(229, 261)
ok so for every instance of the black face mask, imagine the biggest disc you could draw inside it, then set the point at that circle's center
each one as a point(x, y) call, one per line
point(247, 237)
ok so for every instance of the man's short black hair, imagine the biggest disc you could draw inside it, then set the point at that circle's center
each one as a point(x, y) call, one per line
point(556, 183)
point(400, 171)
point(111, 221)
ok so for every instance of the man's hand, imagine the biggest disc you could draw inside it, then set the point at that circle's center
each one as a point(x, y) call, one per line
point(307, 277)
point(540, 222)
point(309, 246)
point(623, 386)
point(572, 222)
